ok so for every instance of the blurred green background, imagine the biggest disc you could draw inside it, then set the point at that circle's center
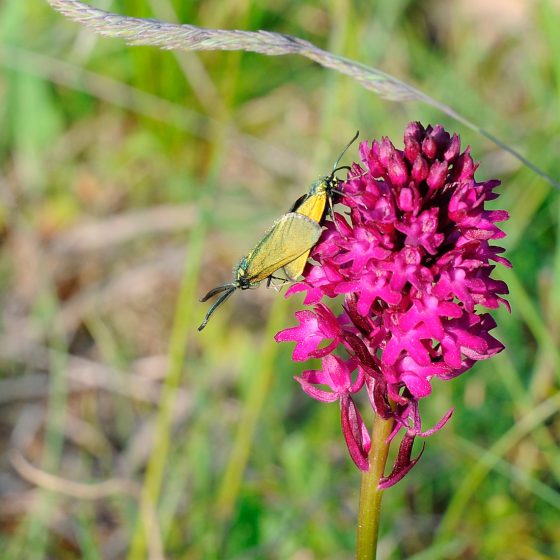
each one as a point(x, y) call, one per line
point(132, 180)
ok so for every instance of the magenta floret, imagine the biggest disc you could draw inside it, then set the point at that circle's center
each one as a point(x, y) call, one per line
point(414, 265)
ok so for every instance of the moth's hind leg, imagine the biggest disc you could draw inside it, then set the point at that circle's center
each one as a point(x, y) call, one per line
point(271, 278)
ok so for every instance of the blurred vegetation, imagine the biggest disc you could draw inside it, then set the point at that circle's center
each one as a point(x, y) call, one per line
point(132, 180)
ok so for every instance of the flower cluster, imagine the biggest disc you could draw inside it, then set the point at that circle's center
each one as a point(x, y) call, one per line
point(414, 265)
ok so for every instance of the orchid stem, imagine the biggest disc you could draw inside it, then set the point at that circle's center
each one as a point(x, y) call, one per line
point(370, 496)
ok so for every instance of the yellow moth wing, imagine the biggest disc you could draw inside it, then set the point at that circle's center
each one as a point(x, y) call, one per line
point(294, 269)
point(313, 206)
point(289, 238)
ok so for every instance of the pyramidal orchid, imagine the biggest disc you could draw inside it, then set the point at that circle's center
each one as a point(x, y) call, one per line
point(413, 262)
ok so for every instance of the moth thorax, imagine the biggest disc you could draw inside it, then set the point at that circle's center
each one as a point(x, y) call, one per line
point(319, 186)
point(241, 269)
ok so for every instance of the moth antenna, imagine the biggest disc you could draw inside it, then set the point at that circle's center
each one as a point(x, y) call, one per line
point(217, 290)
point(344, 151)
point(219, 302)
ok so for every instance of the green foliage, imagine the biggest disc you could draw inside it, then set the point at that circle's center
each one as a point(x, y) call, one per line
point(132, 181)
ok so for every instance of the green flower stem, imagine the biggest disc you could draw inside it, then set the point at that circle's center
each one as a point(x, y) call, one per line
point(370, 495)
